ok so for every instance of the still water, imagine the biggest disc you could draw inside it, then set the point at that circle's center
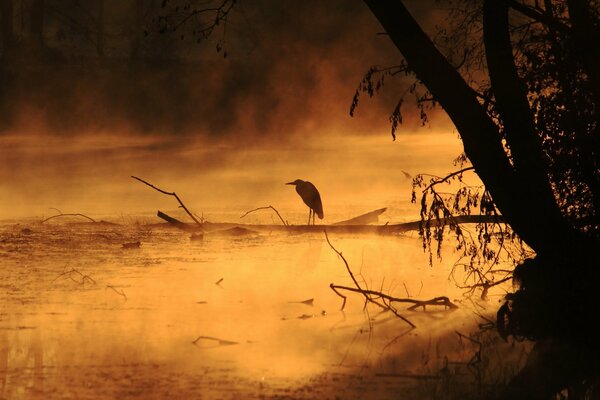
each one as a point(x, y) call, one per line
point(251, 316)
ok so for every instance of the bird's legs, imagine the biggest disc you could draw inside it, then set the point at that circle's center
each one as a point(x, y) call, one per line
point(310, 212)
point(313, 217)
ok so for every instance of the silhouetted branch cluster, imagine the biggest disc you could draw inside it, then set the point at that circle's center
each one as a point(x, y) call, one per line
point(61, 214)
point(383, 300)
point(201, 18)
point(192, 216)
point(284, 222)
point(481, 250)
point(83, 278)
point(374, 80)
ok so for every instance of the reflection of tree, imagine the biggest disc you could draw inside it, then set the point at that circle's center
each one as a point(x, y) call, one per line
point(530, 129)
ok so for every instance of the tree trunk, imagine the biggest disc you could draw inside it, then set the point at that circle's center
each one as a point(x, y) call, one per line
point(523, 206)
point(556, 299)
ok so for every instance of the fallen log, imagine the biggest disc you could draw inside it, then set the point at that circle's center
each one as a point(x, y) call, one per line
point(178, 224)
point(364, 219)
point(388, 229)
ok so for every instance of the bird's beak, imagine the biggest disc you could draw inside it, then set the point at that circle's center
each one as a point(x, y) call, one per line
point(290, 183)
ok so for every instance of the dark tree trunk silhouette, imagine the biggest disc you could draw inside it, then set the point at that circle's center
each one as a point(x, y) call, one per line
point(528, 206)
point(519, 182)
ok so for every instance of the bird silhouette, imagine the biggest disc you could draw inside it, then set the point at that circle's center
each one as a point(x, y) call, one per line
point(311, 197)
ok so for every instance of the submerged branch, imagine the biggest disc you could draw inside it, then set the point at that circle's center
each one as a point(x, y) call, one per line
point(69, 215)
point(84, 278)
point(169, 194)
point(120, 292)
point(381, 299)
point(220, 342)
point(359, 289)
point(440, 301)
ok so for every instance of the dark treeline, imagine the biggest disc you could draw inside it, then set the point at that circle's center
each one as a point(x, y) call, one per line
point(69, 65)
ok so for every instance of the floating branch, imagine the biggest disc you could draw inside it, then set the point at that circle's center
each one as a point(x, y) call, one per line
point(485, 286)
point(220, 342)
point(69, 215)
point(266, 208)
point(308, 302)
point(120, 292)
point(83, 277)
point(169, 194)
point(381, 299)
point(364, 219)
point(177, 223)
point(440, 301)
point(359, 289)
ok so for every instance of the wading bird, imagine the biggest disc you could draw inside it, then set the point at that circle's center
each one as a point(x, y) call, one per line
point(311, 197)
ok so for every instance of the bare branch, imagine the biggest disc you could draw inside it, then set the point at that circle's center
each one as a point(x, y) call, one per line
point(447, 177)
point(69, 215)
point(381, 299)
point(169, 194)
point(538, 16)
point(120, 292)
point(440, 301)
point(266, 208)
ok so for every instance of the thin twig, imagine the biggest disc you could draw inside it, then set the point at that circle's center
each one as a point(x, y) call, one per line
point(169, 194)
point(266, 208)
point(221, 342)
point(120, 292)
point(84, 278)
point(358, 289)
point(69, 215)
point(436, 301)
point(447, 177)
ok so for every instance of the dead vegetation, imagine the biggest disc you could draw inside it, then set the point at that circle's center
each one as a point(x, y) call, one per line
point(192, 216)
point(385, 301)
point(82, 279)
point(284, 222)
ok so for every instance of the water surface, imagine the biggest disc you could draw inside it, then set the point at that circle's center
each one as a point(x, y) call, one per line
point(82, 317)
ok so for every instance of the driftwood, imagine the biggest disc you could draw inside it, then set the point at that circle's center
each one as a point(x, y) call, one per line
point(369, 297)
point(383, 300)
point(364, 219)
point(217, 341)
point(70, 215)
point(178, 224)
point(388, 229)
point(169, 194)
point(357, 224)
point(440, 301)
point(284, 222)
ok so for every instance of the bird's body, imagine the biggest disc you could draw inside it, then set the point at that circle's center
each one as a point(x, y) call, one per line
point(311, 197)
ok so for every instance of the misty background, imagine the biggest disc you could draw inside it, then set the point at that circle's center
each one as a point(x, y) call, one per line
point(93, 92)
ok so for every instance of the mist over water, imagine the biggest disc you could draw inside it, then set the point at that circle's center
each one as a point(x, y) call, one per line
point(82, 317)
point(91, 174)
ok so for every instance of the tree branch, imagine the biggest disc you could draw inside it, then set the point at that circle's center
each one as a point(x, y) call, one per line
point(266, 208)
point(169, 194)
point(538, 16)
point(480, 134)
